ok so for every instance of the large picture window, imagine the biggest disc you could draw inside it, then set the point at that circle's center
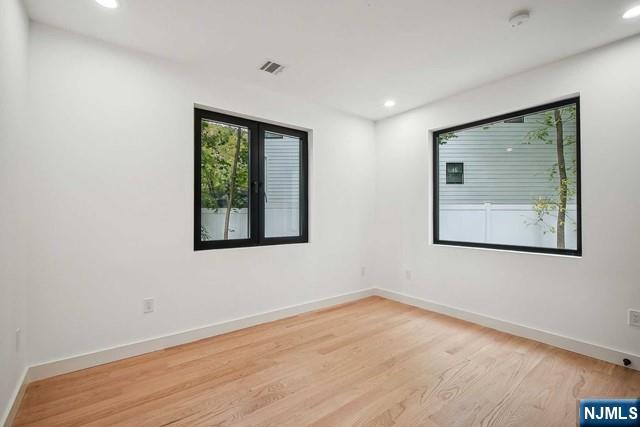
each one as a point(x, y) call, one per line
point(517, 181)
point(250, 182)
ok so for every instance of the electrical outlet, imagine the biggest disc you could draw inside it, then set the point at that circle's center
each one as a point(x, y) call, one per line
point(18, 339)
point(634, 317)
point(363, 271)
point(148, 305)
point(407, 274)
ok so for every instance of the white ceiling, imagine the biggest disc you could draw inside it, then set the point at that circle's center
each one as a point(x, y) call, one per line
point(352, 54)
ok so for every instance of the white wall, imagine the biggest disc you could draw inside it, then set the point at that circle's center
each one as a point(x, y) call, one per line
point(13, 243)
point(114, 174)
point(584, 298)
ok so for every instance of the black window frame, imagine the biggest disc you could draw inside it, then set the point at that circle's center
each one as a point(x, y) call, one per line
point(257, 131)
point(436, 177)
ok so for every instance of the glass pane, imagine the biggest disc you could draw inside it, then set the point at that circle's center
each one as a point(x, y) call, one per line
point(224, 170)
point(519, 184)
point(282, 185)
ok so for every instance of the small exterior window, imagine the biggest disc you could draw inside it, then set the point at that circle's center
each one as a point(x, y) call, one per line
point(455, 173)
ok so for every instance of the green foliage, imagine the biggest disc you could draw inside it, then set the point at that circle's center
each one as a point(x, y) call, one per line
point(546, 133)
point(204, 233)
point(218, 149)
point(445, 137)
point(544, 206)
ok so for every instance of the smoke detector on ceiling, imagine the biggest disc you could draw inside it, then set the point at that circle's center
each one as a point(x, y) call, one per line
point(519, 18)
point(272, 67)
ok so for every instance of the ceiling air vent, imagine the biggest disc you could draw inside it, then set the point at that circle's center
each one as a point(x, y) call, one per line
point(272, 67)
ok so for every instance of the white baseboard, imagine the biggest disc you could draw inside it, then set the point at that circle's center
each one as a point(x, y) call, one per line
point(585, 348)
point(75, 363)
point(14, 402)
point(62, 366)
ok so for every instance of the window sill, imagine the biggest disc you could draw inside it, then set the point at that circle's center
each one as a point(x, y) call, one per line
point(514, 251)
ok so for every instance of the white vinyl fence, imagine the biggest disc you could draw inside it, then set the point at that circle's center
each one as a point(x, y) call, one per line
point(278, 222)
point(213, 223)
point(512, 224)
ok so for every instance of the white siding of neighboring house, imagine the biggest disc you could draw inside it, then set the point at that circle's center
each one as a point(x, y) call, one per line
point(282, 180)
point(492, 174)
point(282, 186)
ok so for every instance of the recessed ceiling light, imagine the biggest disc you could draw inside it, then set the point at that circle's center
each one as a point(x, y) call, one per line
point(389, 103)
point(110, 4)
point(632, 13)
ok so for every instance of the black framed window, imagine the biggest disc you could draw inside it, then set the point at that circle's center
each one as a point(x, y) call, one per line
point(250, 182)
point(521, 176)
point(455, 173)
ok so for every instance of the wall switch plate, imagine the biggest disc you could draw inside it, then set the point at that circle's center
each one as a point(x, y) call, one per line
point(407, 274)
point(18, 338)
point(363, 271)
point(148, 305)
point(634, 318)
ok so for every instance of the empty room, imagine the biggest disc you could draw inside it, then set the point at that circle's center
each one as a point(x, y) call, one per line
point(319, 213)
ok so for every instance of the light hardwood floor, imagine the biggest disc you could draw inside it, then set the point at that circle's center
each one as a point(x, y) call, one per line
point(373, 362)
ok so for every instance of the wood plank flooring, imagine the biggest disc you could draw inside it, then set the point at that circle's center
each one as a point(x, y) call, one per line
point(373, 362)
